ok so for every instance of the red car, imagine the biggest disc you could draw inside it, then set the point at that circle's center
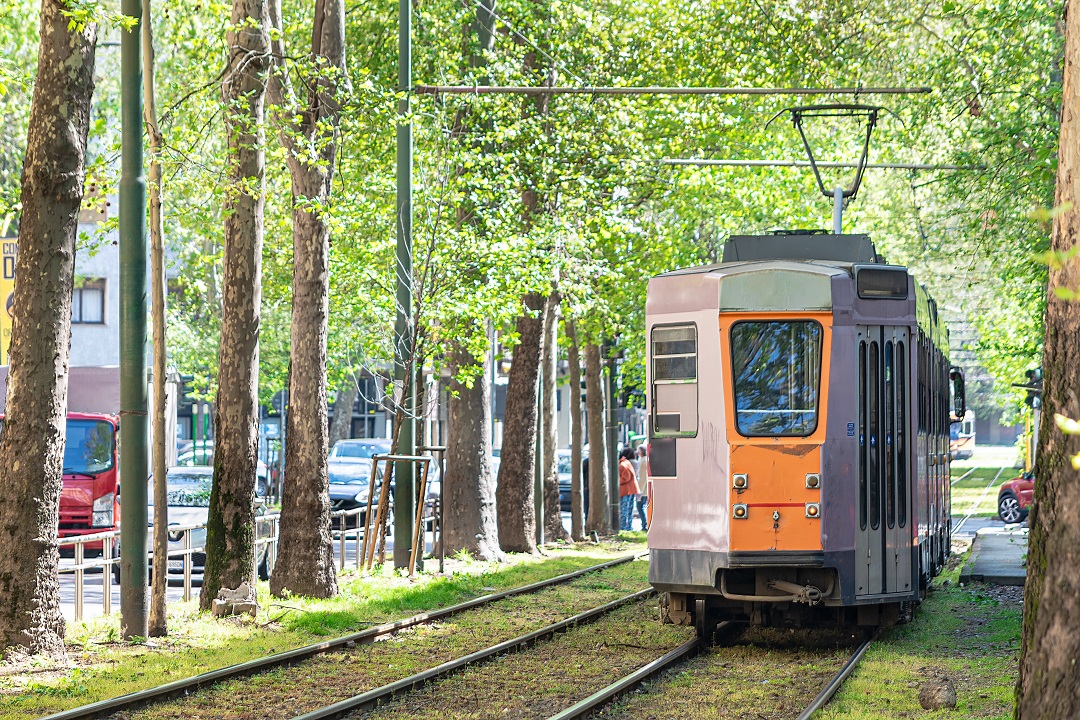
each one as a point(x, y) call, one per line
point(1014, 498)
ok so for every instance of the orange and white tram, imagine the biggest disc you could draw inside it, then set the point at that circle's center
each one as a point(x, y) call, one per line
point(800, 397)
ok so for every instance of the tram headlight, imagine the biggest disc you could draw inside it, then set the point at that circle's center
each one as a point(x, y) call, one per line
point(739, 481)
point(813, 481)
point(739, 511)
point(813, 510)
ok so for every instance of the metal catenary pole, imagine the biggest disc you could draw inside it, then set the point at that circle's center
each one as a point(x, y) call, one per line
point(133, 400)
point(404, 370)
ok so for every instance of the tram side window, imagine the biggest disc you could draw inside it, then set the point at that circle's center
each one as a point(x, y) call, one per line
point(674, 381)
point(776, 369)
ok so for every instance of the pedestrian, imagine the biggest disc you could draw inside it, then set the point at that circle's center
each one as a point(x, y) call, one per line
point(627, 488)
point(643, 484)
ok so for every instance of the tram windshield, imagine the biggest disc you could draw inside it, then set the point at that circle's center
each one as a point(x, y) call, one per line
point(777, 373)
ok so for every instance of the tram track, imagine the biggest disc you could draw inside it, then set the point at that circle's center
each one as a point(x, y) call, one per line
point(297, 657)
point(975, 505)
point(651, 670)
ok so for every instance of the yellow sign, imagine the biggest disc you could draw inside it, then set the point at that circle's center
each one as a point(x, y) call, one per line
point(10, 249)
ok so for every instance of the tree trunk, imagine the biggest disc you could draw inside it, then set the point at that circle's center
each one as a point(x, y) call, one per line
point(157, 625)
point(344, 400)
point(32, 444)
point(514, 491)
point(598, 519)
point(553, 525)
point(1049, 685)
point(305, 561)
point(469, 486)
point(230, 529)
point(577, 498)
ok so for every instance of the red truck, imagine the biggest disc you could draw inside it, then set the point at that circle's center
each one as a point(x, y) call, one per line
point(89, 500)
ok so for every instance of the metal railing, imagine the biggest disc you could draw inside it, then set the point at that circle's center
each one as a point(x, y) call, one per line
point(346, 531)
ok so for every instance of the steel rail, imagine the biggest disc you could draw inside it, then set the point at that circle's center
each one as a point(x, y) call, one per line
point(975, 505)
point(177, 688)
point(837, 680)
point(629, 682)
point(369, 700)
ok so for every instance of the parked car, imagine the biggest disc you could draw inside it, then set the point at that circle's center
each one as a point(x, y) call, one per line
point(185, 457)
point(188, 490)
point(563, 459)
point(349, 487)
point(1015, 496)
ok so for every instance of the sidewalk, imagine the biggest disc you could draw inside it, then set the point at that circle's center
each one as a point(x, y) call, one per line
point(998, 556)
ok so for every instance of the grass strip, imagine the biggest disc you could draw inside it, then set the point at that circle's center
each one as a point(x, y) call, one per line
point(104, 667)
point(971, 635)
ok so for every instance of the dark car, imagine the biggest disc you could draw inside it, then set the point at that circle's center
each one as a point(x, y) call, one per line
point(1015, 496)
point(348, 484)
point(563, 457)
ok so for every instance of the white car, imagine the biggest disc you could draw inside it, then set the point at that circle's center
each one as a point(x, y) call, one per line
point(188, 490)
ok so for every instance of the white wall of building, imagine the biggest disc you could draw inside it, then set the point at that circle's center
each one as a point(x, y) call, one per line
point(96, 344)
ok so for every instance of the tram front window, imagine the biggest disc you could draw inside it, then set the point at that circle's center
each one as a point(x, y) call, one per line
point(776, 367)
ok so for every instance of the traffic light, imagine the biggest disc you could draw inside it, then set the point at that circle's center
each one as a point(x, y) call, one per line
point(187, 390)
point(1034, 388)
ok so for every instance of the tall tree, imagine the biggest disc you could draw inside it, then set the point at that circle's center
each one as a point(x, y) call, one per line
point(32, 444)
point(553, 524)
point(577, 495)
point(469, 486)
point(230, 528)
point(305, 562)
point(344, 399)
point(515, 492)
point(1049, 684)
point(599, 518)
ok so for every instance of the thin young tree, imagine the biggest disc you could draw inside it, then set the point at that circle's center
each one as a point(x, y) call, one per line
point(1049, 684)
point(32, 444)
point(157, 624)
point(230, 529)
point(308, 129)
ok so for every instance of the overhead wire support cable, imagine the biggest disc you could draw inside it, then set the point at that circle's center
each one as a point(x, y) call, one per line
point(657, 90)
point(806, 163)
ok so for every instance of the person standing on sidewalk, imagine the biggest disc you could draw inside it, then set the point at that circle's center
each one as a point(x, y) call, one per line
point(627, 488)
point(642, 484)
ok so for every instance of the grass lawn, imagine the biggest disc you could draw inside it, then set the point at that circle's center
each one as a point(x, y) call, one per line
point(970, 635)
point(977, 492)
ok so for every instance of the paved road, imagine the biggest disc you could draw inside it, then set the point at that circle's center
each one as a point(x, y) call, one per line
point(93, 598)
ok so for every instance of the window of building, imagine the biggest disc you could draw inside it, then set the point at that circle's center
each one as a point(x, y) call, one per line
point(88, 303)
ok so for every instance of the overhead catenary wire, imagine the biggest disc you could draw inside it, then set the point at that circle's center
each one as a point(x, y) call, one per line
point(806, 163)
point(657, 90)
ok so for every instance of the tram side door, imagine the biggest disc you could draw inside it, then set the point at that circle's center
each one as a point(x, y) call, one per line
point(883, 544)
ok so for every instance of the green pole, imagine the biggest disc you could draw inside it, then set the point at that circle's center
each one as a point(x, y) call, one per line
point(404, 370)
point(133, 403)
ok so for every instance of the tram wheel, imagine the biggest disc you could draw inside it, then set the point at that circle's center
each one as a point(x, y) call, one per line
point(703, 622)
